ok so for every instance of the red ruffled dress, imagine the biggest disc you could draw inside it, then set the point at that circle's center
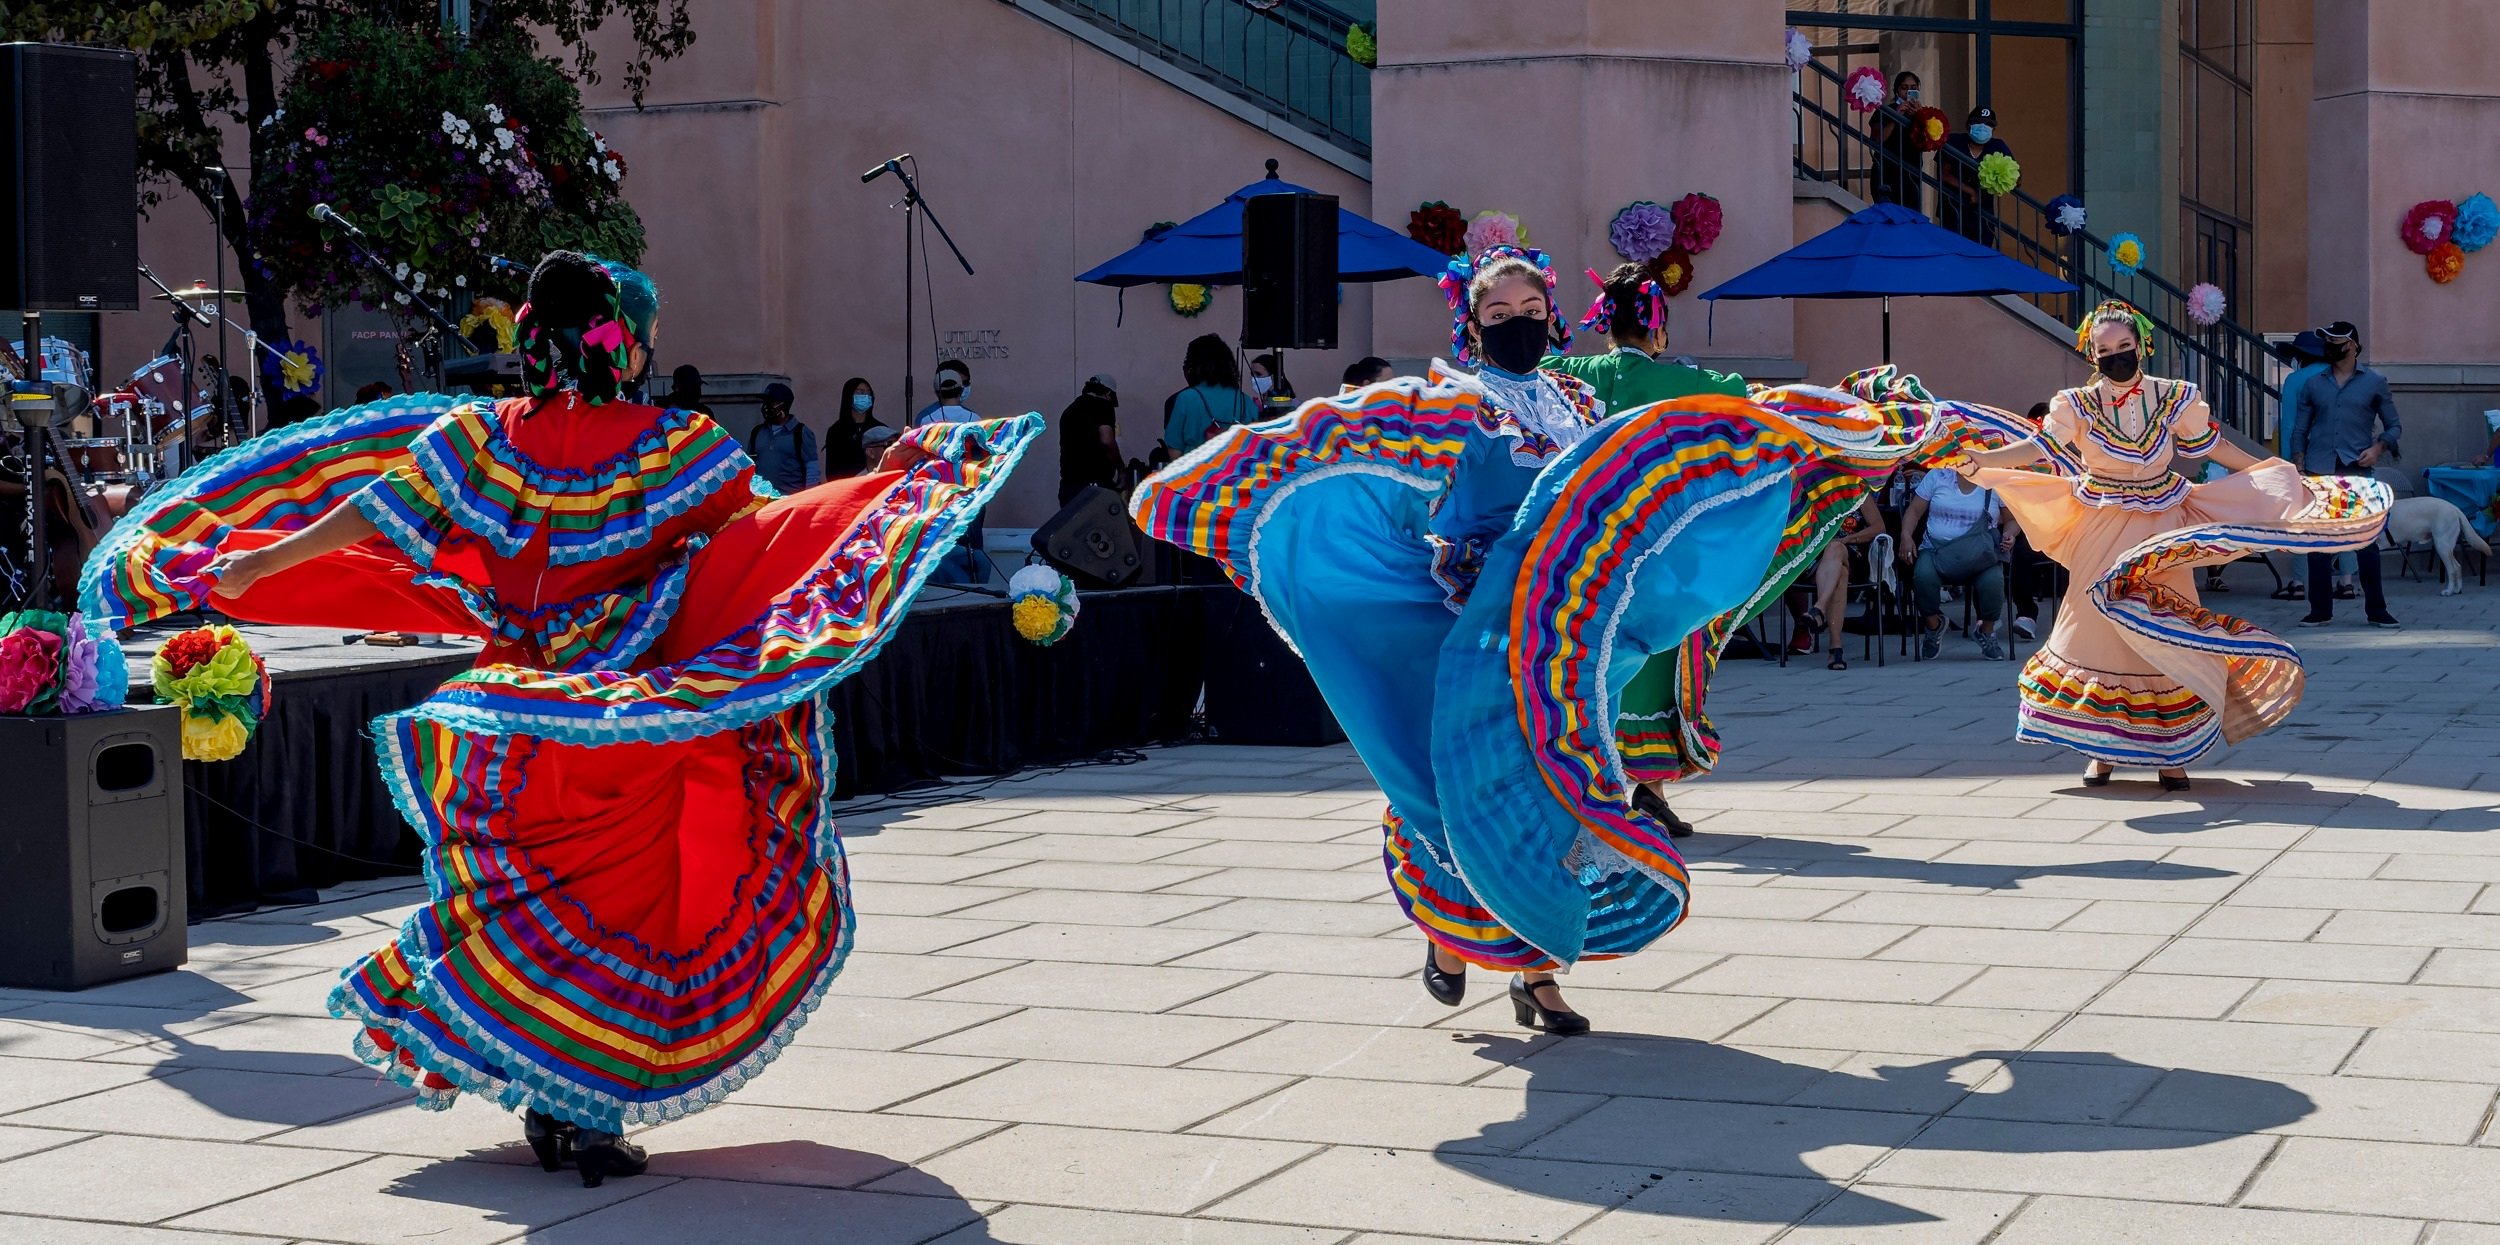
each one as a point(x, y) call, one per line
point(638, 895)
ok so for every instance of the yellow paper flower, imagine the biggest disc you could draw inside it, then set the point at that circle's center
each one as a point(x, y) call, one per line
point(297, 369)
point(213, 737)
point(495, 313)
point(1190, 300)
point(1035, 618)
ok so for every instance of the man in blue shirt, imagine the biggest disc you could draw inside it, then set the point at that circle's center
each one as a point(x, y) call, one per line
point(2342, 421)
point(783, 449)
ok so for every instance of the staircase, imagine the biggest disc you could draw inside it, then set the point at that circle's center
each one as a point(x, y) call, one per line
point(2229, 363)
point(1285, 57)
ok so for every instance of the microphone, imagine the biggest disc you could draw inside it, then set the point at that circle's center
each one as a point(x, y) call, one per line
point(891, 166)
point(328, 215)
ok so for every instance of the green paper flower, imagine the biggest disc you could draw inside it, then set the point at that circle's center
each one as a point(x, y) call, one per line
point(1998, 173)
point(1362, 45)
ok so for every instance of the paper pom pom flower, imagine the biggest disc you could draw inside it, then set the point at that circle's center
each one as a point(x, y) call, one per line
point(1642, 232)
point(2428, 224)
point(95, 678)
point(2126, 254)
point(2445, 262)
point(30, 663)
point(1865, 89)
point(1362, 46)
point(2066, 215)
point(1491, 229)
point(496, 314)
point(1673, 272)
point(1800, 49)
point(1998, 173)
point(2478, 222)
point(1929, 127)
point(221, 685)
point(1697, 221)
point(296, 371)
point(2205, 304)
point(1043, 604)
point(1190, 301)
point(1439, 226)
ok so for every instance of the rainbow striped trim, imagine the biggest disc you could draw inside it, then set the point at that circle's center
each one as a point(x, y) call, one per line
point(1627, 911)
point(2144, 720)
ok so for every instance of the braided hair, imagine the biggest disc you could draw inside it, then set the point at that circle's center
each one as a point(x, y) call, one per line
point(579, 326)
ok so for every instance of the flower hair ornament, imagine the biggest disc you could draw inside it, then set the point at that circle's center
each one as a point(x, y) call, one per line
point(593, 360)
point(1462, 273)
point(2119, 311)
point(1652, 311)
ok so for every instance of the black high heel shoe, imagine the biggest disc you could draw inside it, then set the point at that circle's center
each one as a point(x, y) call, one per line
point(1447, 989)
point(1648, 801)
point(2174, 782)
point(550, 1139)
point(2095, 776)
point(601, 1155)
point(1532, 1014)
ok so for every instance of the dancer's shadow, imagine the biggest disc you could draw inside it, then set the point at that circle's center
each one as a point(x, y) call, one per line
point(2226, 802)
point(728, 1193)
point(1719, 1158)
point(1818, 859)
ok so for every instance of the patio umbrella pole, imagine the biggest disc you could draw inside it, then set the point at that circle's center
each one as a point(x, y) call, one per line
point(1887, 329)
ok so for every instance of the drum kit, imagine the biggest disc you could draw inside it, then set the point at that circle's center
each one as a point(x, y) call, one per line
point(108, 449)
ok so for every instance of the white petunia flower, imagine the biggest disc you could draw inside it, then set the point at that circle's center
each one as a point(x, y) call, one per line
point(503, 138)
point(494, 113)
point(461, 281)
point(401, 272)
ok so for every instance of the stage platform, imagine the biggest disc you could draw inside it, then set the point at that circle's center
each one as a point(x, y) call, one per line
point(955, 693)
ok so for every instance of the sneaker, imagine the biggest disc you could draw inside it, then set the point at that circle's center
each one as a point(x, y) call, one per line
point(1991, 646)
point(2314, 620)
point(2026, 629)
point(2385, 620)
point(1930, 643)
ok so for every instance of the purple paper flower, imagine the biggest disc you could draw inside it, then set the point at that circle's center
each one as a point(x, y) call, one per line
point(1642, 232)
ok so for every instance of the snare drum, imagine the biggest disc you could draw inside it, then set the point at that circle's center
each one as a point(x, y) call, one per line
point(117, 416)
point(96, 456)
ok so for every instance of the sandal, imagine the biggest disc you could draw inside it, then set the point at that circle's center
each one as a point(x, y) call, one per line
point(2291, 592)
point(1840, 659)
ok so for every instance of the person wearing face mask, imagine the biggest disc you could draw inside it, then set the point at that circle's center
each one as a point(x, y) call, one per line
point(1269, 384)
point(2136, 671)
point(1966, 211)
point(846, 446)
point(784, 449)
point(1211, 399)
point(634, 885)
point(1473, 565)
point(1898, 161)
point(2343, 421)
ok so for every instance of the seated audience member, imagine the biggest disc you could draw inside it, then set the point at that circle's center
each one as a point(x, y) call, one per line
point(1961, 533)
point(1368, 370)
point(1829, 609)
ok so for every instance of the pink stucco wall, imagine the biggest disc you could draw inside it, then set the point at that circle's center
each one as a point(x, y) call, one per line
point(1042, 154)
point(1562, 113)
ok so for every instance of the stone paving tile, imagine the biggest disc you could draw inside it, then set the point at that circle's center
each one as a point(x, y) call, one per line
point(1052, 1225)
point(1094, 944)
point(393, 1199)
point(2230, 957)
point(1092, 1095)
point(1933, 1030)
point(1378, 1053)
point(1393, 1115)
point(1150, 1041)
point(764, 1214)
point(2413, 1181)
point(1355, 920)
point(2088, 1160)
point(2450, 1112)
point(1117, 987)
point(890, 1024)
point(216, 1103)
point(1859, 980)
point(2160, 994)
point(1098, 1169)
point(778, 1145)
point(2067, 1220)
point(150, 1179)
point(1729, 1137)
point(1468, 1197)
point(2231, 1046)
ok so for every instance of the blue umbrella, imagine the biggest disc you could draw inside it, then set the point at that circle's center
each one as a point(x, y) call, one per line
point(1888, 252)
point(1206, 248)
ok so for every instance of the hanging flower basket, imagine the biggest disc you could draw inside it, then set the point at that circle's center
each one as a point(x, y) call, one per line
point(2205, 304)
point(2126, 254)
point(1864, 89)
point(1642, 232)
point(2430, 223)
point(1439, 226)
point(1697, 221)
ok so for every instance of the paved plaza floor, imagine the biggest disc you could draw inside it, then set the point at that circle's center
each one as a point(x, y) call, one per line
point(1932, 990)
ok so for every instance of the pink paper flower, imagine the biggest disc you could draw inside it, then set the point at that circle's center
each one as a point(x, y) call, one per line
point(2205, 304)
point(2427, 225)
point(30, 663)
point(1491, 229)
point(1697, 221)
point(1800, 49)
point(1865, 89)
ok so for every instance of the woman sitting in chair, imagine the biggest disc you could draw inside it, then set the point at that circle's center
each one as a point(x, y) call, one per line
point(1967, 536)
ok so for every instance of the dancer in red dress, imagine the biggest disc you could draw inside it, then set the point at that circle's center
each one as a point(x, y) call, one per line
point(638, 895)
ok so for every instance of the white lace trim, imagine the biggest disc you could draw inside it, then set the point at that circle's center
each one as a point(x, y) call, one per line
point(1538, 403)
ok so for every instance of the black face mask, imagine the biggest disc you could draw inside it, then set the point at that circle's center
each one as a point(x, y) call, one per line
point(2119, 365)
point(1514, 345)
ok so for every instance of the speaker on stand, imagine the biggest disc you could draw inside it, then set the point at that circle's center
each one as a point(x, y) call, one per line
point(1289, 272)
point(1258, 691)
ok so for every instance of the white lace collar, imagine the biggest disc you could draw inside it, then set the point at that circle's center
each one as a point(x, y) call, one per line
point(1537, 402)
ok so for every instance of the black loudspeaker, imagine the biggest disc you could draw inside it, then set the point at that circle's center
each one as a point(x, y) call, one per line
point(92, 848)
point(1258, 691)
point(1289, 272)
point(69, 219)
point(1093, 541)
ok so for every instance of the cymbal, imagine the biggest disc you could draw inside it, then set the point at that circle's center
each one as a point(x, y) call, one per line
point(198, 291)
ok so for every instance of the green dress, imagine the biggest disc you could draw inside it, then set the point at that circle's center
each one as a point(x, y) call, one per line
point(1657, 735)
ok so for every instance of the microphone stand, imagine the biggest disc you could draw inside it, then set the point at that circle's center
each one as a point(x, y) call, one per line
point(441, 323)
point(180, 346)
point(914, 205)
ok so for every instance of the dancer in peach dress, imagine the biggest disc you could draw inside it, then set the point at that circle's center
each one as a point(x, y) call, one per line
point(2138, 672)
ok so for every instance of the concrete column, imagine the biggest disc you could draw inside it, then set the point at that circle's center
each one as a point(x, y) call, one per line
point(2407, 109)
point(1561, 113)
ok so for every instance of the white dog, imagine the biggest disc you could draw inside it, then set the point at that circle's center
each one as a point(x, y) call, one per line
point(2438, 524)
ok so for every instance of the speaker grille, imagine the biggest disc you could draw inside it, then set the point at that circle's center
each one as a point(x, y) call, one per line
point(69, 117)
point(1289, 272)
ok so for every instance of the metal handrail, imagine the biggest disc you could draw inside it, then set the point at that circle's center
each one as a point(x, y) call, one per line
point(1289, 59)
point(2226, 360)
